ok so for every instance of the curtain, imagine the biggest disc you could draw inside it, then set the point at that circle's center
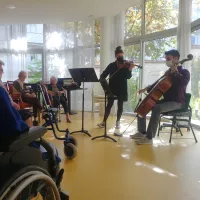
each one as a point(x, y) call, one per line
point(84, 56)
point(58, 45)
point(70, 45)
point(13, 46)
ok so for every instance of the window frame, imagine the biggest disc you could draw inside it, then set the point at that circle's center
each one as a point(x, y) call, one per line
point(195, 25)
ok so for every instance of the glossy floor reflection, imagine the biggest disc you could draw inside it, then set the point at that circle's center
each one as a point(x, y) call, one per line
point(104, 170)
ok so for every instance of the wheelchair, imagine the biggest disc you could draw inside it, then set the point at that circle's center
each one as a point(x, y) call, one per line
point(26, 172)
point(49, 115)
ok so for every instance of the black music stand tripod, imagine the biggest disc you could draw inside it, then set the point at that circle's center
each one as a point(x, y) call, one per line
point(83, 75)
point(108, 94)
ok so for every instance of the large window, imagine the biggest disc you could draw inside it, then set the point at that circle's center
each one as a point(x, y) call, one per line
point(34, 67)
point(35, 33)
point(58, 64)
point(154, 66)
point(195, 9)
point(195, 77)
point(133, 21)
point(14, 63)
point(97, 47)
point(132, 53)
point(3, 37)
point(160, 15)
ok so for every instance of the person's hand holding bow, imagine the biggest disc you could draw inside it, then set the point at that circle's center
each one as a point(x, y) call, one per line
point(131, 66)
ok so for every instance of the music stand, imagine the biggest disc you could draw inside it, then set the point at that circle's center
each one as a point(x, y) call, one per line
point(83, 75)
point(108, 94)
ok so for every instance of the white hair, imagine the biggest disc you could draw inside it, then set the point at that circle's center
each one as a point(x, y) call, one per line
point(20, 73)
point(53, 77)
point(1, 62)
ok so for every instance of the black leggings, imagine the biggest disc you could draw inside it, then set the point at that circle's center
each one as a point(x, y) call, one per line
point(109, 106)
point(62, 100)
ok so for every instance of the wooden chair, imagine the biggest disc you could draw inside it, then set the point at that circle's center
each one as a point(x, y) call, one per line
point(16, 96)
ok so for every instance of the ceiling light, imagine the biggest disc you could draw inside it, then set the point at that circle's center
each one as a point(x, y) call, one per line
point(10, 7)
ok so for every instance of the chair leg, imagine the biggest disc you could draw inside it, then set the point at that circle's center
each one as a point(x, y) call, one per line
point(159, 127)
point(173, 122)
point(180, 131)
point(193, 132)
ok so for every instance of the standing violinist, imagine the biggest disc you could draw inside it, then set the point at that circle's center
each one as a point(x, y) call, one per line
point(117, 84)
point(174, 98)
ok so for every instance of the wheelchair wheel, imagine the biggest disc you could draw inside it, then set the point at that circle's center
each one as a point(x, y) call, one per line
point(30, 182)
point(72, 140)
point(70, 150)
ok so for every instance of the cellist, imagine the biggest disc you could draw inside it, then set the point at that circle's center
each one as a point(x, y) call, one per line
point(174, 98)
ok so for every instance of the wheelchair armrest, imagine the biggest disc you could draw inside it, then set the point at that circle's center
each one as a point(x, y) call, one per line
point(28, 137)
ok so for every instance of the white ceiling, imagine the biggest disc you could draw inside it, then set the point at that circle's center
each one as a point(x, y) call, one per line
point(51, 11)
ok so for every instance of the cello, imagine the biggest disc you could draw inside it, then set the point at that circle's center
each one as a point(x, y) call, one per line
point(162, 85)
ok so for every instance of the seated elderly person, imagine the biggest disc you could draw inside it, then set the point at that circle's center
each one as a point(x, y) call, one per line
point(27, 96)
point(10, 120)
point(59, 96)
point(25, 115)
point(12, 125)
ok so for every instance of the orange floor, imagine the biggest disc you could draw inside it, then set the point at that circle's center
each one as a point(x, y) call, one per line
point(104, 170)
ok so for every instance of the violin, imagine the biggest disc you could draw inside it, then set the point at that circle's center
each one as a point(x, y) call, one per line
point(127, 64)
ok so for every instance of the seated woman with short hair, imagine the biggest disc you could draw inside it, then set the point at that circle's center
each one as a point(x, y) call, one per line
point(11, 122)
point(57, 93)
point(12, 125)
point(27, 97)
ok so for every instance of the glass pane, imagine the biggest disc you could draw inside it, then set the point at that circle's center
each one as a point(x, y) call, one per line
point(60, 36)
point(195, 77)
point(35, 33)
point(58, 64)
point(132, 53)
point(14, 63)
point(97, 32)
point(133, 21)
point(195, 9)
point(34, 62)
point(85, 34)
point(154, 66)
point(161, 15)
point(3, 37)
point(97, 62)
